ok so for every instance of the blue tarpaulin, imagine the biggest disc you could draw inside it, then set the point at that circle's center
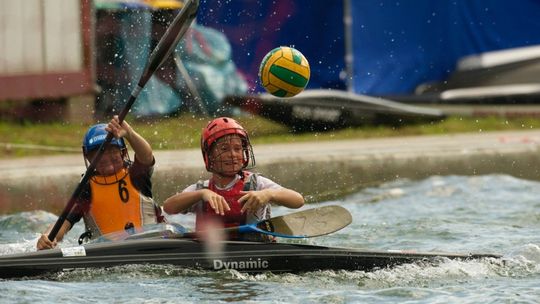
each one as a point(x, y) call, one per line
point(401, 44)
point(397, 45)
point(254, 28)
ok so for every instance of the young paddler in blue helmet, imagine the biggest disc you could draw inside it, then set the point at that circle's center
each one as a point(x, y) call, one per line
point(119, 193)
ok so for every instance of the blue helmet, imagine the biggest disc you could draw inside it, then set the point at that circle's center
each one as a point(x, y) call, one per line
point(96, 135)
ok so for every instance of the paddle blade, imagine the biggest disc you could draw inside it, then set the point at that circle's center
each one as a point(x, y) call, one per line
point(168, 42)
point(308, 223)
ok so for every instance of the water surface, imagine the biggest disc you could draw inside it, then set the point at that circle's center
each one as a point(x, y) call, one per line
point(496, 214)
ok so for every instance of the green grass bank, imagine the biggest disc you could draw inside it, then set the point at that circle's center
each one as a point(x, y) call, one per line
point(175, 133)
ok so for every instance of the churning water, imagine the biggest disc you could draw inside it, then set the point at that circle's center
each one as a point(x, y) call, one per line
point(496, 214)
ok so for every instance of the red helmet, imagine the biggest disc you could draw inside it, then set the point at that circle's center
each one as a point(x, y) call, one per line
point(218, 128)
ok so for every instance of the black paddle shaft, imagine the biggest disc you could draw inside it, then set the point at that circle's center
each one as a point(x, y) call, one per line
point(164, 48)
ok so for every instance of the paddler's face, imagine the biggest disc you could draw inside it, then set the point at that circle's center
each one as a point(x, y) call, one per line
point(111, 161)
point(227, 155)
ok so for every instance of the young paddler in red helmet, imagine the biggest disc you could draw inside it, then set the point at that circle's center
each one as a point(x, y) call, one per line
point(232, 196)
point(119, 193)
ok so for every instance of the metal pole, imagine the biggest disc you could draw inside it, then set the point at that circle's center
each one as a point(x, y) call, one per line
point(349, 55)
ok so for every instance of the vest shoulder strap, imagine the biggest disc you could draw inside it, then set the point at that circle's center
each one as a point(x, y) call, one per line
point(199, 207)
point(251, 183)
point(202, 184)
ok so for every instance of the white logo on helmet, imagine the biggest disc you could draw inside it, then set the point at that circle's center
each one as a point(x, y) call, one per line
point(97, 138)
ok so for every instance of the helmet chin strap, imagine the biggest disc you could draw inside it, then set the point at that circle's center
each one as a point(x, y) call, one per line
point(221, 176)
point(110, 179)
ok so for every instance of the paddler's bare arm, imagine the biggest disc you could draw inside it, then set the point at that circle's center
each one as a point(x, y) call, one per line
point(44, 242)
point(183, 201)
point(140, 146)
point(254, 200)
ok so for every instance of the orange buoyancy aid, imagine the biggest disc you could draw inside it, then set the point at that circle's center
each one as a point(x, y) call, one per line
point(117, 206)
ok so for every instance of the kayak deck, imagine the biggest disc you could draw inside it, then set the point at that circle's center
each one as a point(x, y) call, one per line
point(249, 257)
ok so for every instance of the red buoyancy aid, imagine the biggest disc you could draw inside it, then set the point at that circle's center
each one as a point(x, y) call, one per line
point(233, 217)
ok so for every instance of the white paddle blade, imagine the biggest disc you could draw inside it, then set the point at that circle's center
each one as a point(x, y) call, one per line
point(312, 222)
